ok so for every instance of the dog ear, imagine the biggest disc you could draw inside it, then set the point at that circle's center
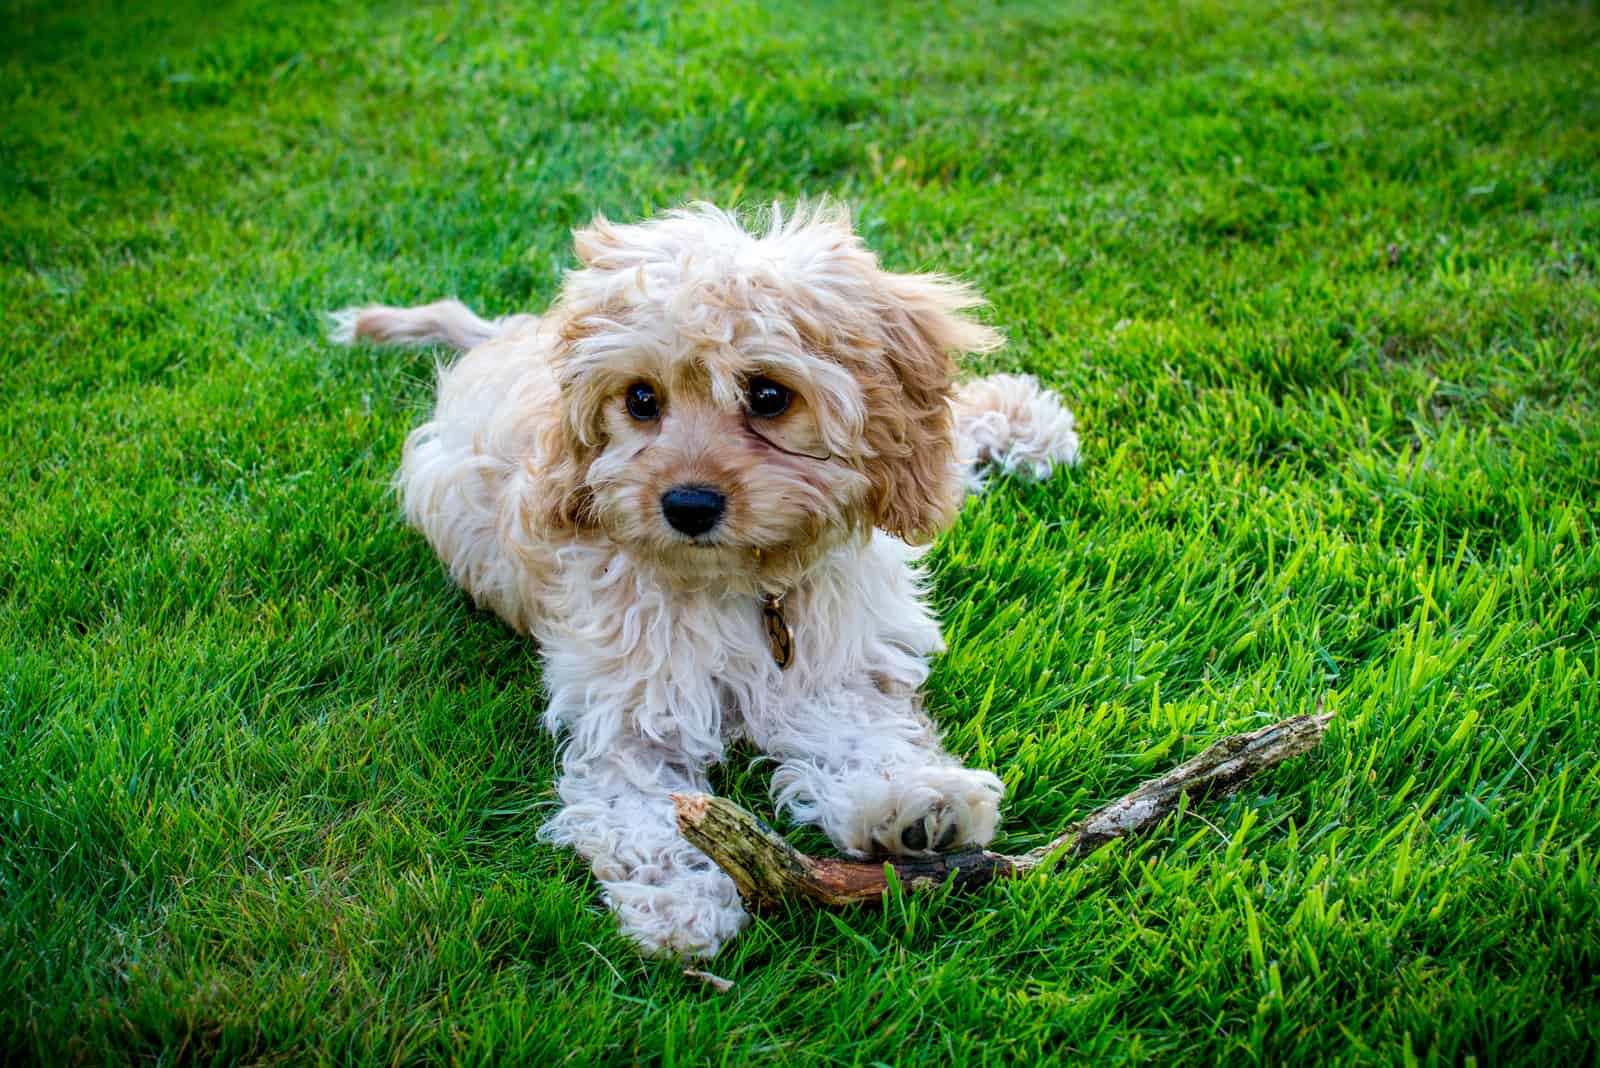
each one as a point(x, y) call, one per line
point(549, 495)
point(566, 503)
point(917, 483)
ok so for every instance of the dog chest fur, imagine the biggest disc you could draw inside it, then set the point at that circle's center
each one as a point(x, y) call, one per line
point(688, 667)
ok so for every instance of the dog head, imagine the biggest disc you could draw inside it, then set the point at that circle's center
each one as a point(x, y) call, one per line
point(727, 392)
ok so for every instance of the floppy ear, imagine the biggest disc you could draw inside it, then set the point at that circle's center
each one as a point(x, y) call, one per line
point(565, 503)
point(568, 434)
point(917, 484)
point(549, 494)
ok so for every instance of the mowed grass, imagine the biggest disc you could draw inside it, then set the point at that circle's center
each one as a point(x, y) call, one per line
point(1319, 280)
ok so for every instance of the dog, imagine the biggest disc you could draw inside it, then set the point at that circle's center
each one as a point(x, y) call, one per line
point(700, 482)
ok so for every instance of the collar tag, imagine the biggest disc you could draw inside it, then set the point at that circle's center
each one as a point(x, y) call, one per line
point(779, 640)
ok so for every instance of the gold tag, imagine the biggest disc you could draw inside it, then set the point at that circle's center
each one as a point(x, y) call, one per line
point(778, 638)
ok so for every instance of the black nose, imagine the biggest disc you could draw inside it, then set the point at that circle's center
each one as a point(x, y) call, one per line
point(693, 509)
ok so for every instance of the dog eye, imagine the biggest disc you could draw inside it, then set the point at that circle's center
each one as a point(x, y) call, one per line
point(641, 401)
point(766, 398)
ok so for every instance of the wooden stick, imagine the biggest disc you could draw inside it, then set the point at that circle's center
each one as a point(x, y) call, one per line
point(716, 982)
point(770, 871)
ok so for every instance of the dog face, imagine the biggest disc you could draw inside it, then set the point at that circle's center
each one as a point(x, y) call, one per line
point(726, 392)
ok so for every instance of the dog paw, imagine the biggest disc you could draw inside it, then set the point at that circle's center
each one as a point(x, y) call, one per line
point(690, 915)
point(923, 811)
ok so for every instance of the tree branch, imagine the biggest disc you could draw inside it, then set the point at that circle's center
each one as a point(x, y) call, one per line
point(769, 871)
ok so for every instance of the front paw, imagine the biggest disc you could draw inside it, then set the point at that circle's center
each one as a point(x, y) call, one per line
point(922, 811)
point(685, 914)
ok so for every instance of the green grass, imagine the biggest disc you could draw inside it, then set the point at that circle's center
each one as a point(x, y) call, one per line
point(1320, 281)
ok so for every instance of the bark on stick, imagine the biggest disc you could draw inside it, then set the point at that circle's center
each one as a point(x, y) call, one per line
point(769, 871)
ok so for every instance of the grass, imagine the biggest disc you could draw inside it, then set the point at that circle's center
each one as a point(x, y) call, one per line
point(1319, 279)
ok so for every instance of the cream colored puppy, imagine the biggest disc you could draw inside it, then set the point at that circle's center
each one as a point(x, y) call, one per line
point(696, 483)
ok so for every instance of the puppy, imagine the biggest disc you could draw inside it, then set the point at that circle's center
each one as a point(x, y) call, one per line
point(697, 482)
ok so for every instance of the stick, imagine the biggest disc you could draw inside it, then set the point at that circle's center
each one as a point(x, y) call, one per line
point(716, 982)
point(770, 871)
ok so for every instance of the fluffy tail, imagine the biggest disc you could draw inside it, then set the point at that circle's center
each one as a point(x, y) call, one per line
point(444, 322)
point(1015, 424)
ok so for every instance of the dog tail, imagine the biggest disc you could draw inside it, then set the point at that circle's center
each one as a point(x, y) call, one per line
point(444, 322)
point(1015, 424)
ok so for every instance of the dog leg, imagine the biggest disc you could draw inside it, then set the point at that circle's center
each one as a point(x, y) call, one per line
point(1015, 424)
point(669, 898)
point(868, 768)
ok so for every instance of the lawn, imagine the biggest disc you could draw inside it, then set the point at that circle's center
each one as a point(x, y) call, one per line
point(1320, 281)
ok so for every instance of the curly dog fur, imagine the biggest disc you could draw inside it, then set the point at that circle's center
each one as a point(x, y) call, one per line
point(709, 418)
